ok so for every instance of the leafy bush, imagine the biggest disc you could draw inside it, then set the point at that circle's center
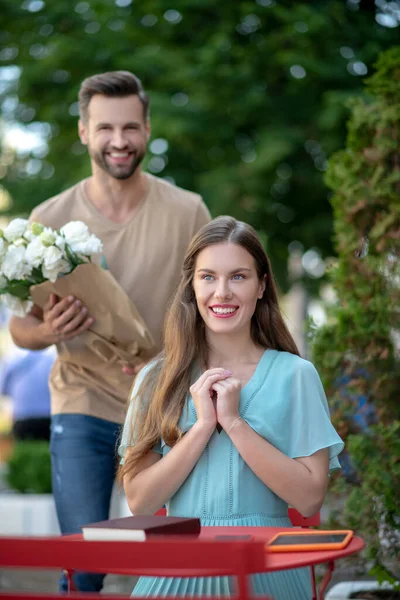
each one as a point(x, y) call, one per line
point(29, 467)
point(356, 352)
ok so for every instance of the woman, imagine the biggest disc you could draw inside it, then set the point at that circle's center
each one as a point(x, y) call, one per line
point(253, 434)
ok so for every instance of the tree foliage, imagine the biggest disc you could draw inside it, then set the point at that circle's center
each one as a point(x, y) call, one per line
point(362, 341)
point(250, 96)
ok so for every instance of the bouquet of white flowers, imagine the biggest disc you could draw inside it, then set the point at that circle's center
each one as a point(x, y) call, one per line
point(31, 254)
point(36, 261)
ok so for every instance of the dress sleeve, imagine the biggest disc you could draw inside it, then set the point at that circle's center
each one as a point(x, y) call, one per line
point(127, 437)
point(309, 424)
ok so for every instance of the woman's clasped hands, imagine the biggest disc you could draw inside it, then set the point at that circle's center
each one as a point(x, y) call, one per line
point(216, 396)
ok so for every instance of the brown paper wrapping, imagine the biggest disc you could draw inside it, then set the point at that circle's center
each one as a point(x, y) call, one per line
point(118, 334)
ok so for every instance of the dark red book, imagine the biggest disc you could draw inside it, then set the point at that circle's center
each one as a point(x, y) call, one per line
point(139, 528)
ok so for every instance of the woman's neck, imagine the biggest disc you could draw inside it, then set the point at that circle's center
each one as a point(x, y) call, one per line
point(225, 351)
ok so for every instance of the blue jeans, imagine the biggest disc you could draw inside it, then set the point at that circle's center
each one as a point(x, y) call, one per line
point(83, 458)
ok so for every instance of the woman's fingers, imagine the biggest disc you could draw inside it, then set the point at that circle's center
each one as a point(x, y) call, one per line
point(209, 377)
point(210, 381)
point(230, 383)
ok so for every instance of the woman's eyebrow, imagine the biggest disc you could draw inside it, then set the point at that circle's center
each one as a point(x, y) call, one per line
point(231, 272)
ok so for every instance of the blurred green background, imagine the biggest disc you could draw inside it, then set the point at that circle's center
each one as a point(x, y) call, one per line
point(248, 100)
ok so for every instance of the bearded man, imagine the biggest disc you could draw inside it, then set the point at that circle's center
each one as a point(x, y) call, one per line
point(145, 224)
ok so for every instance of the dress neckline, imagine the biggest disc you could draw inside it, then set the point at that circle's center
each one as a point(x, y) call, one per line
point(268, 352)
point(256, 370)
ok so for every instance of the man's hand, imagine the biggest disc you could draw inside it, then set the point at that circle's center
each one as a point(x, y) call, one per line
point(133, 369)
point(64, 319)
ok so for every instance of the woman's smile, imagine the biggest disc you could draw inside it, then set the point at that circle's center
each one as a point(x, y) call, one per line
point(223, 311)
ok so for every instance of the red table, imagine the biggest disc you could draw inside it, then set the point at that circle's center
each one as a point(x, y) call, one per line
point(277, 561)
point(169, 556)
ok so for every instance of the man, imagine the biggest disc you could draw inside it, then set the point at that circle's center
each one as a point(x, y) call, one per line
point(146, 225)
point(25, 379)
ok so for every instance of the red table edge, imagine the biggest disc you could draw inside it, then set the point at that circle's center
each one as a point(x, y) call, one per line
point(275, 561)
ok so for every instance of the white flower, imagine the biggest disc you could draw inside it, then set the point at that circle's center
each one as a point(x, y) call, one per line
point(60, 242)
point(3, 247)
point(20, 242)
point(47, 237)
point(79, 239)
point(19, 307)
point(35, 252)
point(75, 232)
point(28, 235)
point(54, 263)
point(14, 264)
point(15, 229)
point(92, 246)
point(36, 228)
point(3, 282)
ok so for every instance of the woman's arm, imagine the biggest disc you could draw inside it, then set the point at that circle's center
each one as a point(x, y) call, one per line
point(301, 482)
point(157, 479)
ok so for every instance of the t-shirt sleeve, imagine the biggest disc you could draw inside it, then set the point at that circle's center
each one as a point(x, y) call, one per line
point(127, 436)
point(33, 217)
point(202, 217)
point(309, 424)
point(36, 216)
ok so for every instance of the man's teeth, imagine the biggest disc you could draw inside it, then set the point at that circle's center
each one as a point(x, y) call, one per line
point(223, 311)
point(119, 154)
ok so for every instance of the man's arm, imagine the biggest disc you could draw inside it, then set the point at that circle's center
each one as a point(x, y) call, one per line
point(59, 321)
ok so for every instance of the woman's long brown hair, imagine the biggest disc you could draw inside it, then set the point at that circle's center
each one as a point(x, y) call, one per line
point(164, 389)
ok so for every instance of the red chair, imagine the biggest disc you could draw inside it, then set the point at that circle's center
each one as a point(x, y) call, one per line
point(298, 520)
point(295, 517)
point(180, 557)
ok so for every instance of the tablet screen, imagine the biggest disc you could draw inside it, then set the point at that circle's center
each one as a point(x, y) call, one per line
point(299, 540)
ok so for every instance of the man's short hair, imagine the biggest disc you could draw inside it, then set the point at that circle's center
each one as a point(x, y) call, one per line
point(115, 84)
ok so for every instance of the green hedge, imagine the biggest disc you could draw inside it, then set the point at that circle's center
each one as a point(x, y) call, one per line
point(359, 341)
point(29, 467)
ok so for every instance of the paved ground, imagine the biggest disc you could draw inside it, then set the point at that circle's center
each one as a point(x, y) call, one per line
point(46, 581)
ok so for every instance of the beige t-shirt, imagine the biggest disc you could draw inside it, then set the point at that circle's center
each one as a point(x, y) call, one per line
point(145, 256)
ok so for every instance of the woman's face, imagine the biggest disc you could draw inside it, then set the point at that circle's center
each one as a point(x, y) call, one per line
point(227, 287)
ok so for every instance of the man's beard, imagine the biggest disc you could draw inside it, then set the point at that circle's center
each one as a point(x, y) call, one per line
point(117, 171)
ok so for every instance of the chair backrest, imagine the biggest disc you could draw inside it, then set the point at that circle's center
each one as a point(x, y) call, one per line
point(191, 557)
point(295, 517)
point(161, 512)
point(298, 520)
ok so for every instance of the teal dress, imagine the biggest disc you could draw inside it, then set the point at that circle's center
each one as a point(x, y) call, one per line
point(284, 402)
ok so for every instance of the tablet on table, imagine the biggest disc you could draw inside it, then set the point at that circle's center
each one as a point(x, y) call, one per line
point(310, 539)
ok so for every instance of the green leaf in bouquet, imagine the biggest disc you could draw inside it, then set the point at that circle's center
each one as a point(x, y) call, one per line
point(19, 289)
point(36, 276)
point(73, 258)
